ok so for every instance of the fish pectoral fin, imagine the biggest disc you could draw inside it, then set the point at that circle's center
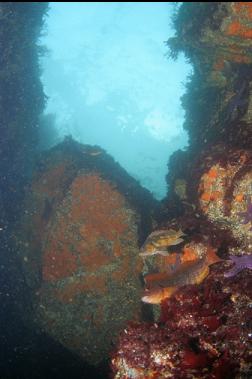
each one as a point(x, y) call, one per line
point(164, 253)
point(143, 253)
point(154, 252)
point(177, 241)
point(181, 233)
point(169, 291)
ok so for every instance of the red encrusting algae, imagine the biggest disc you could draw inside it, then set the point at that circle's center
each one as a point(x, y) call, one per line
point(240, 30)
point(204, 332)
point(89, 234)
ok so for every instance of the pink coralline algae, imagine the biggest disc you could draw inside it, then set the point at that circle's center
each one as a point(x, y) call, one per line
point(240, 263)
point(204, 332)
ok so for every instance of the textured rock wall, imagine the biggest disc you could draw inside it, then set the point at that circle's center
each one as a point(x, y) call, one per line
point(21, 101)
point(216, 39)
point(21, 97)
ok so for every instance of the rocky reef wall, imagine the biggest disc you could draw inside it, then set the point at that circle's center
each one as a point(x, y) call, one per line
point(216, 39)
point(21, 101)
point(200, 282)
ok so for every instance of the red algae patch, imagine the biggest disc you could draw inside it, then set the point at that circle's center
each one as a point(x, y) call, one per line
point(203, 332)
point(89, 230)
point(237, 29)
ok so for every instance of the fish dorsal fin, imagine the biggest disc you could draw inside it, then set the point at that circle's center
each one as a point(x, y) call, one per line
point(212, 257)
point(176, 242)
point(155, 277)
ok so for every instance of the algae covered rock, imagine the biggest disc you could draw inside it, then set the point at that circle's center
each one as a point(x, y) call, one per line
point(204, 332)
point(225, 191)
point(78, 242)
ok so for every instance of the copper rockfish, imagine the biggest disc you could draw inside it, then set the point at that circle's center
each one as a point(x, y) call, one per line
point(162, 285)
point(158, 242)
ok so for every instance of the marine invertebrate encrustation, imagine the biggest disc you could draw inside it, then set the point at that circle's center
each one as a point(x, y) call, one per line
point(240, 263)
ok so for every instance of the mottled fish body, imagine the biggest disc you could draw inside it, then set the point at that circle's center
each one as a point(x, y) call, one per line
point(191, 272)
point(163, 285)
point(158, 242)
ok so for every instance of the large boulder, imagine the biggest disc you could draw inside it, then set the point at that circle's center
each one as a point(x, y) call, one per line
point(84, 219)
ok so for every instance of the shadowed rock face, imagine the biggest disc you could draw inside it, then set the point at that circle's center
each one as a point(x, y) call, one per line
point(79, 248)
point(216, 38)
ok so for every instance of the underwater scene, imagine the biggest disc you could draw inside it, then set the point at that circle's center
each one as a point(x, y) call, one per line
point(126, 190)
